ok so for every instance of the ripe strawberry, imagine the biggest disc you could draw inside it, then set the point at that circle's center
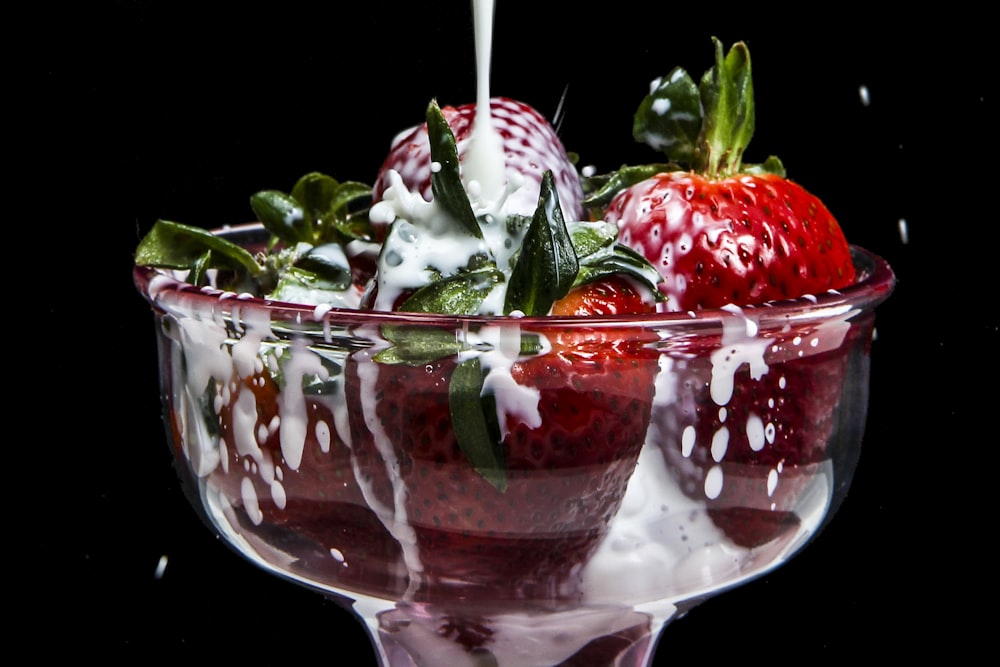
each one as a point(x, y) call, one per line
point(738, 239)
point(720, 232)
point(522, 516)
point(530, 146)
point(723, 233)
point(498, 467)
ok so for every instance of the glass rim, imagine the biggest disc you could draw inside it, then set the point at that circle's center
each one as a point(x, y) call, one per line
point(165, 291)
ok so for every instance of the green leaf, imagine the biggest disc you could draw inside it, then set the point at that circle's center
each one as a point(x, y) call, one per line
point(546, 264)
point(283, 216)
point(171, 245)
point(459, 294)
point(669, 118)
point(294, 280)
point(772, 165)
point(591, 238)
point(727, 98)
point(317, 211)
point(329, 264)
point(620, 259)
point(474, 420)
point(605, 187)
point(446, 182)
point(418, 345)
point(315, 193)
point(327, 206)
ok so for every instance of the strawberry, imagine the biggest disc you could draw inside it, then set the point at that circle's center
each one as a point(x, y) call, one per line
point(530, 147)
point(501, 468)
point(722, 233)
point(523, 515)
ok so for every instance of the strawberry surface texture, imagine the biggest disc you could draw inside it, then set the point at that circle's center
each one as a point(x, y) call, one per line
point(530, 148)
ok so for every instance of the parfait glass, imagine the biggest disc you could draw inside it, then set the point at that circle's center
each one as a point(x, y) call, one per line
point(666, 458)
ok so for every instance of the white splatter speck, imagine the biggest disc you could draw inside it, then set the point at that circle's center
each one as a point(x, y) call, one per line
point(713, 482)
point(661, 106)
point(161, 566)
point(337, 554)
point(904, 232)
point(687, 441)
point(772, 482)
point(278, 495)
point(249, 496)
point(323, 436)
point(864, 95)
point(720, 443)
point(755, 433)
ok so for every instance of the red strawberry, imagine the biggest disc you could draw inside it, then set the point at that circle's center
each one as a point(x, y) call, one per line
point(527, 529)
point(722, 233)
point(743, 239)
point(530, 145)
point(499, 455)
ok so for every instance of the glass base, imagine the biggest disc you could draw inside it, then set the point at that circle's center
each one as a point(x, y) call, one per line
point(427, 635)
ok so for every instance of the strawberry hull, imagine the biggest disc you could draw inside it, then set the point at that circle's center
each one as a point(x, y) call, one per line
point(568, 457)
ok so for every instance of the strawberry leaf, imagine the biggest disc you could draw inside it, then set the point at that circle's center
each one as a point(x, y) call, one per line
point(327, 265)
point(418, 345)
point(621, 260)
point(669, 118)
point(316, 212)
point(592, 238)
point(604, 188)
point(446, 182)
point(727, 97)
point(327, 204)
point(772, 165)
point(294, 280)
point(459, 294)
point(546, 265)
point(282, 216)
point(474, 419)
point(172, 245)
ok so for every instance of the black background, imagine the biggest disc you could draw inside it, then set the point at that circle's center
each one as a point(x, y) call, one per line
point(133, 111)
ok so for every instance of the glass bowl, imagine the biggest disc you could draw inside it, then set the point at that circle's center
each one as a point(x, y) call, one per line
point(648, 462)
